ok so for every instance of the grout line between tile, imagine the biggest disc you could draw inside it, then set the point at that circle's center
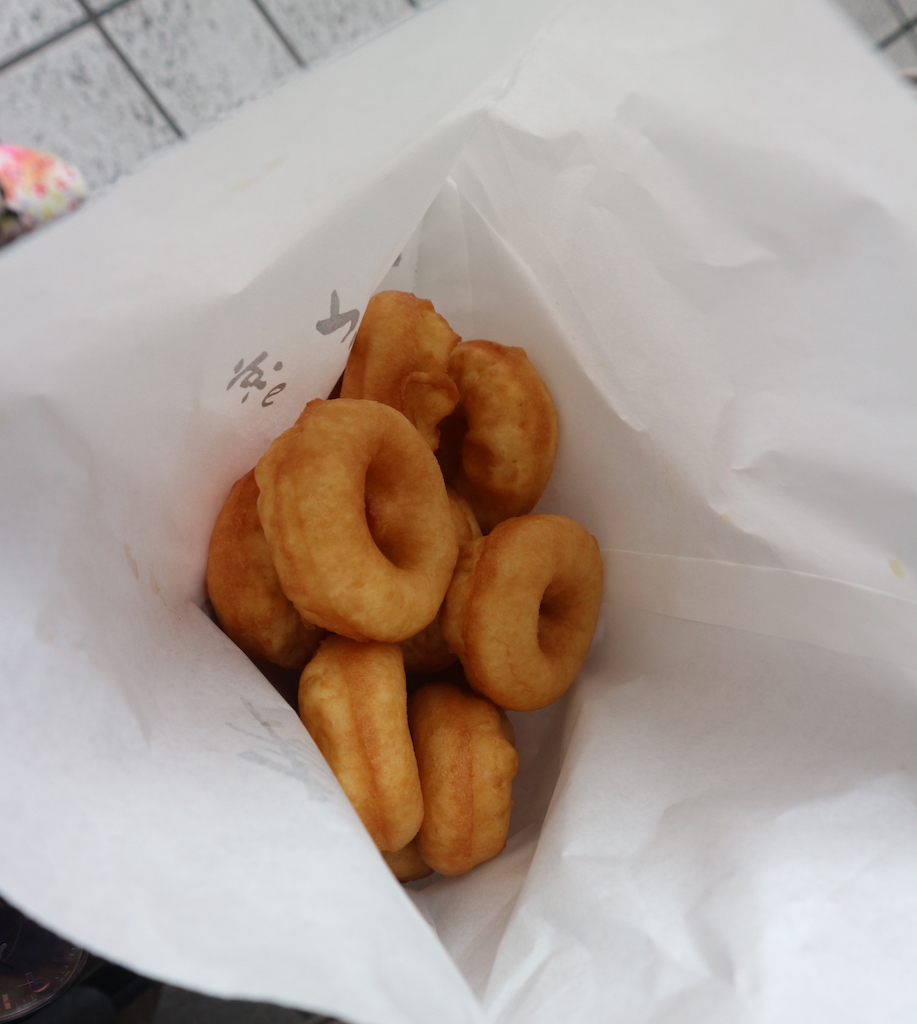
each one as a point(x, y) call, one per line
point(908, 25)
point(896, 9)
point(281, 35)
point(109, 7)
point(35, 47)
point(911, 37)
point(95, 19)
point(61, 33)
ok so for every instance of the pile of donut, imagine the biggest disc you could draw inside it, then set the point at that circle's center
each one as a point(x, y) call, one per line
point(382, 545)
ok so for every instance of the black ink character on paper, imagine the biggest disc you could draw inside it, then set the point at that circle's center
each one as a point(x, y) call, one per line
point(252, 376)
point(287, 755)
point(337, 319)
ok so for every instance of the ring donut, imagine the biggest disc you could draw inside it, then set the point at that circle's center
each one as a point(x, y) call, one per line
point(522, 609)
point(427, 651)
point(244, 589)
point(353, 702)
point(426, 400)
point(498, 447)
point(467, 763)
point(399, 358)
point(407, 865)
point(355, 513)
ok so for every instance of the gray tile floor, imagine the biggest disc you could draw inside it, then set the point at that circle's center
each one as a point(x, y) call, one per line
point(890, 24)
point(107, 84)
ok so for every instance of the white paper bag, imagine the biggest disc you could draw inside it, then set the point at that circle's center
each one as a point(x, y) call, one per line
point(701, 222)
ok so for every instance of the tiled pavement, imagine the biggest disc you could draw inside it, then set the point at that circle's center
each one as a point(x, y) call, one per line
point(891, 25)
point(108, 83)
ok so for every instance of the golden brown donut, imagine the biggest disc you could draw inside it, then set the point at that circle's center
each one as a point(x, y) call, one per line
point(463, 518)
point(426, 400)
point(522, 609)
point(244, 589)
point(353, 701)
point(467, 764)
point(356, 516)
point(399, 358)
point(407, 865)
point(506, 428)
point(427, 651)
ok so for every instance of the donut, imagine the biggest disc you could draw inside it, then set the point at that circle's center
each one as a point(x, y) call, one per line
point(353, 702)
point(356, 517)
point(399, 358)
point(427, 651)
point(244, 589)
point(426, 400)
point(407, 865)
point(463, 519)
point(522, 609)
point(499, 445)
point(467, 763)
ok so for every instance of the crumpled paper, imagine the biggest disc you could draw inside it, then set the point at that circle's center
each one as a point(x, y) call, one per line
point(701, 223)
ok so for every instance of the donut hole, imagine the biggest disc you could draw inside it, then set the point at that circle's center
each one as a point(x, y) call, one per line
point(553, 617)
point(391, 515)
point(452, 432)
point(386, 524)
point(379, 524)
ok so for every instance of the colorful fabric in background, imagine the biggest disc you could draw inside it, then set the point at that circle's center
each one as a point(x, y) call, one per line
point(34, 188)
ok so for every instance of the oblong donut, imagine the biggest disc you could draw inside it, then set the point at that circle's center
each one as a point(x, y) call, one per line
point(353, 702)
point(407, 865)
point(244, 590)
point(399, 358)
point(506, 426)
point(467, 763)
point(355, 513)
point(522, 609)
point(427, 651)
